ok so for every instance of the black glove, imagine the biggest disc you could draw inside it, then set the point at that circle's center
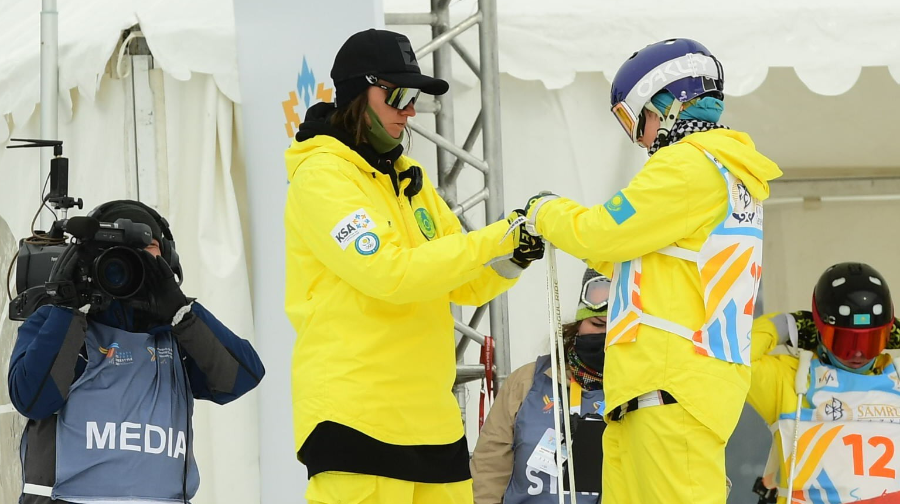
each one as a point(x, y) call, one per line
point(530, 247)
point(164, 296)
point(64, 275)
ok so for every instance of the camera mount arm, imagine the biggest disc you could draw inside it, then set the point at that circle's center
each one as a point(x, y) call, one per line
point(59, 173)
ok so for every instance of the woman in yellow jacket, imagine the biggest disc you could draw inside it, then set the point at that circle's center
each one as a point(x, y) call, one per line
point(374, 259)
point(850, 405)
point(683, 243)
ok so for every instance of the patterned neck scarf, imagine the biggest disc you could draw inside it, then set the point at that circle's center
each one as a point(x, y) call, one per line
point(681, 129)
point(588, 378)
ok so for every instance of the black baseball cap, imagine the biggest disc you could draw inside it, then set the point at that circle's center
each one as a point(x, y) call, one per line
point(386, 55)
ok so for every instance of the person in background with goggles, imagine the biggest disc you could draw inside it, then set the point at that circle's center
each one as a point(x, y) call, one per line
point(683, 246)
point(374, 258)
point(521, 418)
point(844, 378)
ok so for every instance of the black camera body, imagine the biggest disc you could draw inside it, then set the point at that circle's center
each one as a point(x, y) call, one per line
point(109, 266)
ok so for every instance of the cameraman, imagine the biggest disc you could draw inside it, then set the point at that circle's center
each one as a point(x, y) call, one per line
point(109, 392)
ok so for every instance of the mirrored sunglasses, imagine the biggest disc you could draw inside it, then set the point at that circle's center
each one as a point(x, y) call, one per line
point(397, 97)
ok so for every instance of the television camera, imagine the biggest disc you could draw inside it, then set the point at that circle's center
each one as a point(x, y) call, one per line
point(109, 264)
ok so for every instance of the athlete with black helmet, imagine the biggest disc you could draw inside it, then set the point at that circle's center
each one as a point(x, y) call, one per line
point(830, 394)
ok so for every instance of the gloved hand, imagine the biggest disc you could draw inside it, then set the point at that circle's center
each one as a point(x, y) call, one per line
point(530, 248)
point(531, 210)
point(64, 275)
point(164, 296)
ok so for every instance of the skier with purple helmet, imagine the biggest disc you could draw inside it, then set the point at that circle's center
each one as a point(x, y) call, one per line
point(683, 246)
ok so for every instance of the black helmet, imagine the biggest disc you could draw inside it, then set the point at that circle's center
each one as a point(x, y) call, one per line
point(853, 311)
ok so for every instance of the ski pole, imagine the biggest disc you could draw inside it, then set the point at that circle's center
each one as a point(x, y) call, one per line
point(558, 360)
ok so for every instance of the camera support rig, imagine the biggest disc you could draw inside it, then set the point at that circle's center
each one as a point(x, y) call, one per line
point(59, 180)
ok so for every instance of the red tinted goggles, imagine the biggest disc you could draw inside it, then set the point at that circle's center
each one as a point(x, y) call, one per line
point(846, 343)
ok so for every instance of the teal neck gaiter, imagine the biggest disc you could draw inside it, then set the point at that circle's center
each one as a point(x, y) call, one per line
point(377, 136)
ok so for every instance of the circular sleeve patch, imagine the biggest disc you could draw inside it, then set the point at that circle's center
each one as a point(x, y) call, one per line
point(425, 222)
point(367, 243)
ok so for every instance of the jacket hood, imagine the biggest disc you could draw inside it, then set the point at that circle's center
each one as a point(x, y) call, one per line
point(316, 136)
point(736, 151)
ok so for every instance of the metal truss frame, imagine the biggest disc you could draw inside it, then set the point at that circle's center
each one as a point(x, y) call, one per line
point(451, 157)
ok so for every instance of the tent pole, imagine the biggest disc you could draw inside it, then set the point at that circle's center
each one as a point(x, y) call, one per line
point(491, 143)
point(49, 89)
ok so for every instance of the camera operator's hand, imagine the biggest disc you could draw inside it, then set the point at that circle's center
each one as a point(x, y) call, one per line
point(64, 275)
point(164, 295)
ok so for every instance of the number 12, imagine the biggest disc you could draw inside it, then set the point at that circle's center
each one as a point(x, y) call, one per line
point(879, 468)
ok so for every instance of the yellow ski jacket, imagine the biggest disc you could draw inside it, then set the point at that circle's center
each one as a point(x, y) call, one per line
point(678, 198)
point(370, 279)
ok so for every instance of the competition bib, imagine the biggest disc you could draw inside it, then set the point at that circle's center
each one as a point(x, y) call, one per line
point(841, 462)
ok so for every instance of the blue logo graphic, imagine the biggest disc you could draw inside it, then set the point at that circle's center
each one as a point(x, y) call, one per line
point(620, 209)
point(367, 243)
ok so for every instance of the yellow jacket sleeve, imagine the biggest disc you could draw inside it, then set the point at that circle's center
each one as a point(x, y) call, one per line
point(321, 195)
point(489, 284)
point(670, 198)
point(772, 377)
point(492, 460)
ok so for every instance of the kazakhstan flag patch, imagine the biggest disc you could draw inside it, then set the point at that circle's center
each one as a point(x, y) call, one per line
point(620, 209)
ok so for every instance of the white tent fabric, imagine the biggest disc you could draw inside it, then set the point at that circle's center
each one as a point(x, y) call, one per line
point(827, 41)
point(11, 423)
point(199, 38)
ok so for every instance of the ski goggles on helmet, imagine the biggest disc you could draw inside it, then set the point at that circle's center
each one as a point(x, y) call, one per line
point(397, 97)
point(595, 293)
point(631, 123)
point(847, 343)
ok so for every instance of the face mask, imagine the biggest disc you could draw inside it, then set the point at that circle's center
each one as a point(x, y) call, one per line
point(378, 137)
point(590, 349)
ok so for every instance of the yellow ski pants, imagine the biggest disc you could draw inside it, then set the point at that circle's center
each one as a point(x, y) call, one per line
point(662, 454)
point(348, 488)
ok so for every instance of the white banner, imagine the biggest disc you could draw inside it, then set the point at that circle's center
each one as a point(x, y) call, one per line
point(285, 50)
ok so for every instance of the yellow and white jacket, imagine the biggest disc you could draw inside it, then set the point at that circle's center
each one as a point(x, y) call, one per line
point(662, 221)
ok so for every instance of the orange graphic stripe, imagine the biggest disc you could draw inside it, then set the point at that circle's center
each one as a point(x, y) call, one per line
point(815, 456)
point(715, 264)
point(618, 331)
point(293, 119)
point(636, 294)
point(323, 94)
point(756, 271)
point(728, 279)
point(806, 438)
point(701, 344)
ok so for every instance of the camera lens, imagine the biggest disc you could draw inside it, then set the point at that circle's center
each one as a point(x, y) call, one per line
point(119, 272)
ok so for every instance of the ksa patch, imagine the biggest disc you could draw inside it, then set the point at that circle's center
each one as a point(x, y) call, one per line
point(620, 209)
point(351, 227)
point(425, 222)
point(367, 243)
